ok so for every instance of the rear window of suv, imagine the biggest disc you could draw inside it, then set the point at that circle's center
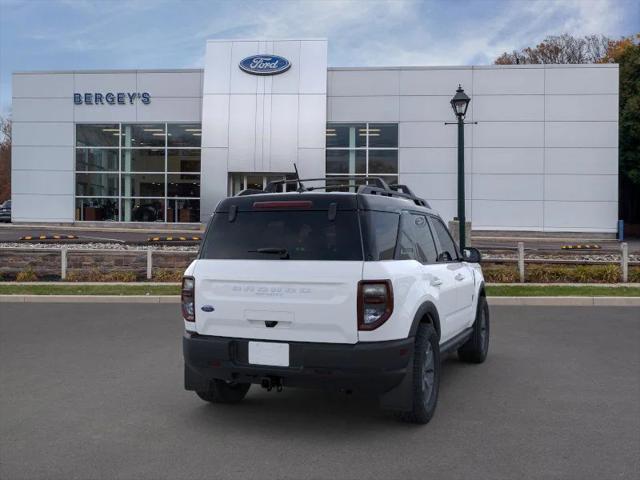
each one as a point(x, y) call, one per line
point(283, 234)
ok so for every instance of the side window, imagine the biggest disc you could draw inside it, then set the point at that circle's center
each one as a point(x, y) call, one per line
point(380, 231)
point(416, 242)
point(447, 251)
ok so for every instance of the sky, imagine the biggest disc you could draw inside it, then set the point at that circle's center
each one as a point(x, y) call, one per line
point(106, 34)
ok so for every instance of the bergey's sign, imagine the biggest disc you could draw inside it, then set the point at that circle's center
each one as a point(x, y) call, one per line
point(265, 64)
point(110, 98)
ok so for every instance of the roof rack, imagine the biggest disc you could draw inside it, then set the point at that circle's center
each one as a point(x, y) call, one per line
point(372, 186)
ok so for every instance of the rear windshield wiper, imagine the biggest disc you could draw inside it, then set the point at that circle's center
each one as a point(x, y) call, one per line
point(283, 252)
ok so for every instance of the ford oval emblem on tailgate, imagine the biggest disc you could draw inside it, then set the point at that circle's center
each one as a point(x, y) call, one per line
point(207, 308)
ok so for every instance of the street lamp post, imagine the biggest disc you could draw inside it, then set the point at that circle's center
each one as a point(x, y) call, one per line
point(460, 103)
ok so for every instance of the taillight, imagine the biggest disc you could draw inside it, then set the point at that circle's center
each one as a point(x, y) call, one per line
point(188, 299)
point(375, 303)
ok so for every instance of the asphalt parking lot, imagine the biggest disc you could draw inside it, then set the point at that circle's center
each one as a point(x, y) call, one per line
point(95, 391)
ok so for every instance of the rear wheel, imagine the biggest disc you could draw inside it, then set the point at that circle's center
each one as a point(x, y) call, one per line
point(426, 375)
point(476, 348)
point(224, 392)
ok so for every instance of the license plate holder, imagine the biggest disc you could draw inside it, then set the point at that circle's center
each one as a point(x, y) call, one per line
point(273, 354)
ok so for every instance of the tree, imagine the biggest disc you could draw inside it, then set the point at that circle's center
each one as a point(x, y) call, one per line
point(5, 159)
point(626, 53)
point(560, 49)
point(600, 49)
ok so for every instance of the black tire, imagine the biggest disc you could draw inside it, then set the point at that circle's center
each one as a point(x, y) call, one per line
point(426, 376)
point(223, 392)
point(476, 348)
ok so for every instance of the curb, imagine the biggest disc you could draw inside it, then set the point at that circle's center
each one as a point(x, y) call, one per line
point(565, 301)
point(168, 299)
point(89, 298)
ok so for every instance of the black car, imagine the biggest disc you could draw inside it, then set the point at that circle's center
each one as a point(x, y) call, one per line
point(5, 211)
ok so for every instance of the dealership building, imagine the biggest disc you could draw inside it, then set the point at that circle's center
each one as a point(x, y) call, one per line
point(541, 142)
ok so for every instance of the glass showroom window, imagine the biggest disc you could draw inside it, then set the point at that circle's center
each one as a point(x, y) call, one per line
point(361, 149)
point(138, 172)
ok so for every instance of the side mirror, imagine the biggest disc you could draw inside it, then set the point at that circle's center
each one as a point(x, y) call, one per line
point(471, 255)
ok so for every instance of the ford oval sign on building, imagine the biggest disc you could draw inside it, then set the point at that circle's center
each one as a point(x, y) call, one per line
point(265, 64)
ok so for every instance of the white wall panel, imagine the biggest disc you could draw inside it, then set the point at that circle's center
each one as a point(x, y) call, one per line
point(581, 80)
point(106, 82)
point(508, 187)
point(512, 135)
point(43, 182)
point(42, 158)
point(508, 81)
point(242, 82)
point(171, 110)
point(367, 83)
point(602, 161)
point(448, 209)
point(42, 134)
point(311, 163)
point(242, 123)
point(428, 109)
point(581, 134)
point(313, 71)
point(582, 108)
point(431, 134)
point(217, 77)
point(586, 188)
point(284, 133)
point(509, 215)
point(289, 81)
point(42, 208)
point(43, 85)
point(105, 113)
point(312, 120)
point(432, 160)
point(581, 216)
point(213, 179)
point(435, 81)
point(359, 109)
point(436, 186)
point(508, 160)
point(517, 108)
point(42, 110)
point(215, 121)
point(170, 84)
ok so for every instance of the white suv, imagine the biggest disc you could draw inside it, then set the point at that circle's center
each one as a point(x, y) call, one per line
point(352, 291)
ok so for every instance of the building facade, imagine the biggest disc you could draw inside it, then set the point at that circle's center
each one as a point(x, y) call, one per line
point(167, 145)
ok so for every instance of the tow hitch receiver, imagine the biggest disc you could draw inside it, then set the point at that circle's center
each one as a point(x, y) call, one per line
point(270, 383)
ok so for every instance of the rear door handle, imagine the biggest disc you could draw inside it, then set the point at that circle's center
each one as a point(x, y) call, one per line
point(436, 282)
point(459, 277)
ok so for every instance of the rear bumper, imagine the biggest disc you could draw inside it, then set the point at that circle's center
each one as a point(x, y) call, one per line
point(374, 366)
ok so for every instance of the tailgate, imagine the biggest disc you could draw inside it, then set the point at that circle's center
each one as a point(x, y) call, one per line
point(303, 301)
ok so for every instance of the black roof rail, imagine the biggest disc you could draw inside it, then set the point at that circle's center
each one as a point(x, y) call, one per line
point(249, 191)
point(372, 186)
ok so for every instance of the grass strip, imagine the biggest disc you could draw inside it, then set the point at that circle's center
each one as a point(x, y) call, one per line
point(105, 289)
point(492, 290)
point(561, 291)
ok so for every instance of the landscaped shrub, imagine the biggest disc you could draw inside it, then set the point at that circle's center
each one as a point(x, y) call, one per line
point(539, 273)
point(634, 274)
point(27, 275)
point(167, 275)
point(500, 273)
point(98, 276)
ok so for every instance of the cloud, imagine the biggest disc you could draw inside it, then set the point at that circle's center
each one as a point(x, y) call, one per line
point(85, 34)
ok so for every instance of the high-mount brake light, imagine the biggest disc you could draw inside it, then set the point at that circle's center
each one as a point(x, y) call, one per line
point(283, 204)
point(375, 303)
point(188, 298)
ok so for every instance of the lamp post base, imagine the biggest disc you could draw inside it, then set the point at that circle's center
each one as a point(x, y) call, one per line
point(455, 231)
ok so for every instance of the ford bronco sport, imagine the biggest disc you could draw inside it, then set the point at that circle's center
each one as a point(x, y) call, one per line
point(352, 290)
